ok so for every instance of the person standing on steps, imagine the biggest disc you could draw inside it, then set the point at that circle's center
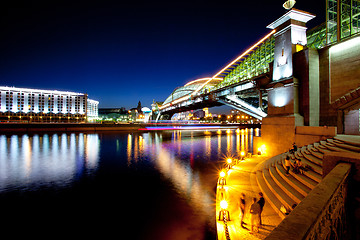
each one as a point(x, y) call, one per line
point(242, 209)
point(261, 202)
point(287, 165)
point(295, 148)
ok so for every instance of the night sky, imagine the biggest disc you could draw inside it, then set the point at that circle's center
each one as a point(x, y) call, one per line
point(124, 52)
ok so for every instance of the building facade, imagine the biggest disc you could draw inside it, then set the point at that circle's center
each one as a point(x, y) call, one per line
point(114, 114)
point(36, 105)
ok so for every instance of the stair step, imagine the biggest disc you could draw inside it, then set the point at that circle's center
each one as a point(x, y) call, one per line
point(343, 145)
point(323, 149)
point(349, 139)
point(313, 175)
point(298, 154)
point(269, 196)
point(316, 153)
point(313, 162)
point(330, 146)
point(277, 191)
point(336, 148)
point(302, 188)
point(314, 159)
point(285, 186)
point(308, 174)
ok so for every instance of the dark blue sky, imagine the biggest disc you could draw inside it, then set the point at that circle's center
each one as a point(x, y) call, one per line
point(120, 53)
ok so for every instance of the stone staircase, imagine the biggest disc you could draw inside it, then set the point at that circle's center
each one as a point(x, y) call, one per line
point(286, 190)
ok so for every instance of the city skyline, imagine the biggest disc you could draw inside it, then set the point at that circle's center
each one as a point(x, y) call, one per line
point(120, 53)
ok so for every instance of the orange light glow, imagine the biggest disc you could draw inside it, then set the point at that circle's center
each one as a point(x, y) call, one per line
point(223, 204)
point(222, 174)
point(262, 149)
point(237, 59)
point(201, 79)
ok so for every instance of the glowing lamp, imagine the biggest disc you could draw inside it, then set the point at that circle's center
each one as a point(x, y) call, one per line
point(224, 214)
point(229, 160)
point(222, 174)
point(262, 149)
point(223, 204)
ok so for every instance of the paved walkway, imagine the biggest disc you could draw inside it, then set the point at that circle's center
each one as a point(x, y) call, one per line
point(242, 179)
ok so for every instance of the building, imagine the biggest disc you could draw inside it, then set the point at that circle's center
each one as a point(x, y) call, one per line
point(36, 105)
point(114, 114)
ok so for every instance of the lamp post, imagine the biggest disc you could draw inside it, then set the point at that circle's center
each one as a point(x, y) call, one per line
point(229, 162)
point(222, 179)
point(242, 154)
point(224, 214)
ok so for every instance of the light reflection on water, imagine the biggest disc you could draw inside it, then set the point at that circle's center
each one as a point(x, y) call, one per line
point(46, 160)
point(186, 162)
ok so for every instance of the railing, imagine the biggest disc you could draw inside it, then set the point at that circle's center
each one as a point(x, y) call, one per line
point(252, 65)
point(321, 215)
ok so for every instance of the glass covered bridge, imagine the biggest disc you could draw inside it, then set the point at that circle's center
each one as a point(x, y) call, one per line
point(239, 84)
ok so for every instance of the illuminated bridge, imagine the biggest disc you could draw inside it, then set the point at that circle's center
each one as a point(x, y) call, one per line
point(243, 84)
point(238, 84)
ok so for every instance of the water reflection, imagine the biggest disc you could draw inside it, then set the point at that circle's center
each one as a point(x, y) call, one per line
point(176, 156)
point(40, 160)
point(165, 170)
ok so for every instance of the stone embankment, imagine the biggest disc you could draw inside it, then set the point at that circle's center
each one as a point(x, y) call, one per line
point(282, 191)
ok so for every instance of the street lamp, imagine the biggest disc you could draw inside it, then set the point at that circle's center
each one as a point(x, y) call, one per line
point(224, 214)
point(242, 154)
point(229, 163)
point(222, 179)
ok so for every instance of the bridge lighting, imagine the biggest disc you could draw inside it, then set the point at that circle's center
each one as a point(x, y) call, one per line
point(237, 59)
point(350, 44)
point(187, 97)
point(281, 97)
point(229, 160)
point(222, 174)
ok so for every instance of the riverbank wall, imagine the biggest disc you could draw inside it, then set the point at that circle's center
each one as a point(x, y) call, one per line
point(94, 127)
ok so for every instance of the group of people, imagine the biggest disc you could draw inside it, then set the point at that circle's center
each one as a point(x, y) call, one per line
point(298, 166)
point(256, 209)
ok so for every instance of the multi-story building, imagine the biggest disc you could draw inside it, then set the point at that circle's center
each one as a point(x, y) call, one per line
point(35, 105)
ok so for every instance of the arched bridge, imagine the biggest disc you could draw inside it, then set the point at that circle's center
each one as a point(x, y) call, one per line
point(237, 85)
point(243, 83)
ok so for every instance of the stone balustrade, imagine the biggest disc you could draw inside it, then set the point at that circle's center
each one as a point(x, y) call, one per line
point(321, 215)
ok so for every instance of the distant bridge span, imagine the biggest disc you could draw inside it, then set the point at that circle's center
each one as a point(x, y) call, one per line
point(308, 77)
point(237, 85)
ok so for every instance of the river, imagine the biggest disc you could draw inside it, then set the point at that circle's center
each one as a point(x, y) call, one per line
point(124, 185)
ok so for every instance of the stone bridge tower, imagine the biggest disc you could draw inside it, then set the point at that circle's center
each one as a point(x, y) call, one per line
point(278, 128)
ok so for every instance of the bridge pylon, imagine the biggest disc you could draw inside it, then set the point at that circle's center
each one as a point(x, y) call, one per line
point(278, 127)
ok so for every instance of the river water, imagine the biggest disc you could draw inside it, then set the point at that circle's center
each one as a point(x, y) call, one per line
point(128, 185)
